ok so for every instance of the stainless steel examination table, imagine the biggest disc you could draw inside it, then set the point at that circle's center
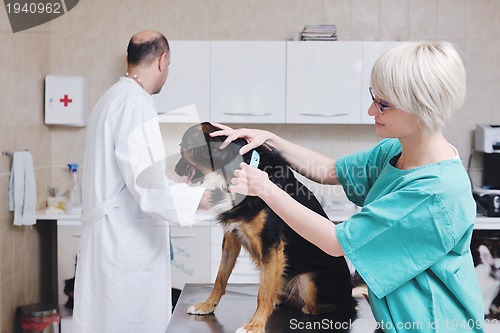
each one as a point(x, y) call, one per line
point(238, 305)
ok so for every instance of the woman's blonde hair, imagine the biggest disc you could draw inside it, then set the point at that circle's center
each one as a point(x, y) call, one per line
point(426, 79)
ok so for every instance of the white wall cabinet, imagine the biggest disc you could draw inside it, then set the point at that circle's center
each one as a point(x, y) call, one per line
point(371, 52)
point(247, 81)
point(323, 82)
point(188, 81)
point(272, 82)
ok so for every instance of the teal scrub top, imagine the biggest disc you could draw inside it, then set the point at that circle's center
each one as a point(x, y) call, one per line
point(411, 241)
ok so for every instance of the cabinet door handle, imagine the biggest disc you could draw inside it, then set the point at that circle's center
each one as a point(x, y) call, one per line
point(323, 114)
point(247, 114)
point(166, 114)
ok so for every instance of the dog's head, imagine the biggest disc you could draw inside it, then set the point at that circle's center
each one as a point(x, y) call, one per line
point(202, 157)
point(203, 163)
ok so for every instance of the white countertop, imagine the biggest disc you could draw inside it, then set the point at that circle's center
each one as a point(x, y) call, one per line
point(482, 222)
point(74, 219)
point(62, 219)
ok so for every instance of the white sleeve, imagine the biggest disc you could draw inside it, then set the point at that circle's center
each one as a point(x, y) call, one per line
point(186, 200)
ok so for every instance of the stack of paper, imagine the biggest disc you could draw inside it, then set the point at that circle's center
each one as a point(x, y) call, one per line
point(319, 32)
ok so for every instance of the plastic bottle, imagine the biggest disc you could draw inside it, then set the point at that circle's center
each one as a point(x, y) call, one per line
point(74, 205)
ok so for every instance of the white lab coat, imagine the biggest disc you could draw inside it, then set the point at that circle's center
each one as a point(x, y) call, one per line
point(123, 279)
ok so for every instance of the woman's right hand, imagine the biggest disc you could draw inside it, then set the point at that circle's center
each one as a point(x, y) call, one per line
point(254, 137)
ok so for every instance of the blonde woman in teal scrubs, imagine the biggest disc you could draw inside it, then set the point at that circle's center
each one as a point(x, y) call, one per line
point(411, 240)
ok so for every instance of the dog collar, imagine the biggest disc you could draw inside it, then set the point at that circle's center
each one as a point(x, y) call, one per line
point(255, 159)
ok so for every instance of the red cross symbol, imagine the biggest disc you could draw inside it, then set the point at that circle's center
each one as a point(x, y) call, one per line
point(65, 100)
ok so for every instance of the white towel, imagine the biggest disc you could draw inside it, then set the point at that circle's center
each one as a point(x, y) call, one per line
point(22, 189)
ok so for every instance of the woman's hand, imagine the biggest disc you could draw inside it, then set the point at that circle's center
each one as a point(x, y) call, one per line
point(254, 137)
point(250, 181)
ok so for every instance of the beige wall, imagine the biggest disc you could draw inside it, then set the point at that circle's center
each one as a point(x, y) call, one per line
point(91, 39)
point(23, 63)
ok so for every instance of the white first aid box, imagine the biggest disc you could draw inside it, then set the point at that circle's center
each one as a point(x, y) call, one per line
point(66, 99)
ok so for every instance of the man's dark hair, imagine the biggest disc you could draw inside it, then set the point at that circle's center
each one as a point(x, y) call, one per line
point(147, 51)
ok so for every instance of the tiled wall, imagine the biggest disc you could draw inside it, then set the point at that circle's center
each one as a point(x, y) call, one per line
point(90, 40)
point(23, 62)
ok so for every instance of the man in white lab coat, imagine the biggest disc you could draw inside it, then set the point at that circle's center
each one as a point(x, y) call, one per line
point(123, 273)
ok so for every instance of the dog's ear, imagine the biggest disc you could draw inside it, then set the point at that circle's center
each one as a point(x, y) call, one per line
point(181, 167)
point(485, 255)
point(230, 155)
point(222, 157)
point(205, 149)
point(207, 128)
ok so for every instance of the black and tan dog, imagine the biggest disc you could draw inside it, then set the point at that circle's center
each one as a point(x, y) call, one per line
point(292, 270)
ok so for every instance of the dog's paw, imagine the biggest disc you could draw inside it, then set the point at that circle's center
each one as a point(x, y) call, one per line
point(308, 310)
point(201, 309)
point(243, 330)
point(249, 329)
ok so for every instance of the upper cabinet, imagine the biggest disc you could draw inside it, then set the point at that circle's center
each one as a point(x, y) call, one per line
point(188, 82)
point(324, 82)
point(248, 81)
point(371, 52)
point(273, 82)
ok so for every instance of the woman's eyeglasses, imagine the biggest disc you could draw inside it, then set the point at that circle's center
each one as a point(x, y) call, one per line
point(381, 106)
